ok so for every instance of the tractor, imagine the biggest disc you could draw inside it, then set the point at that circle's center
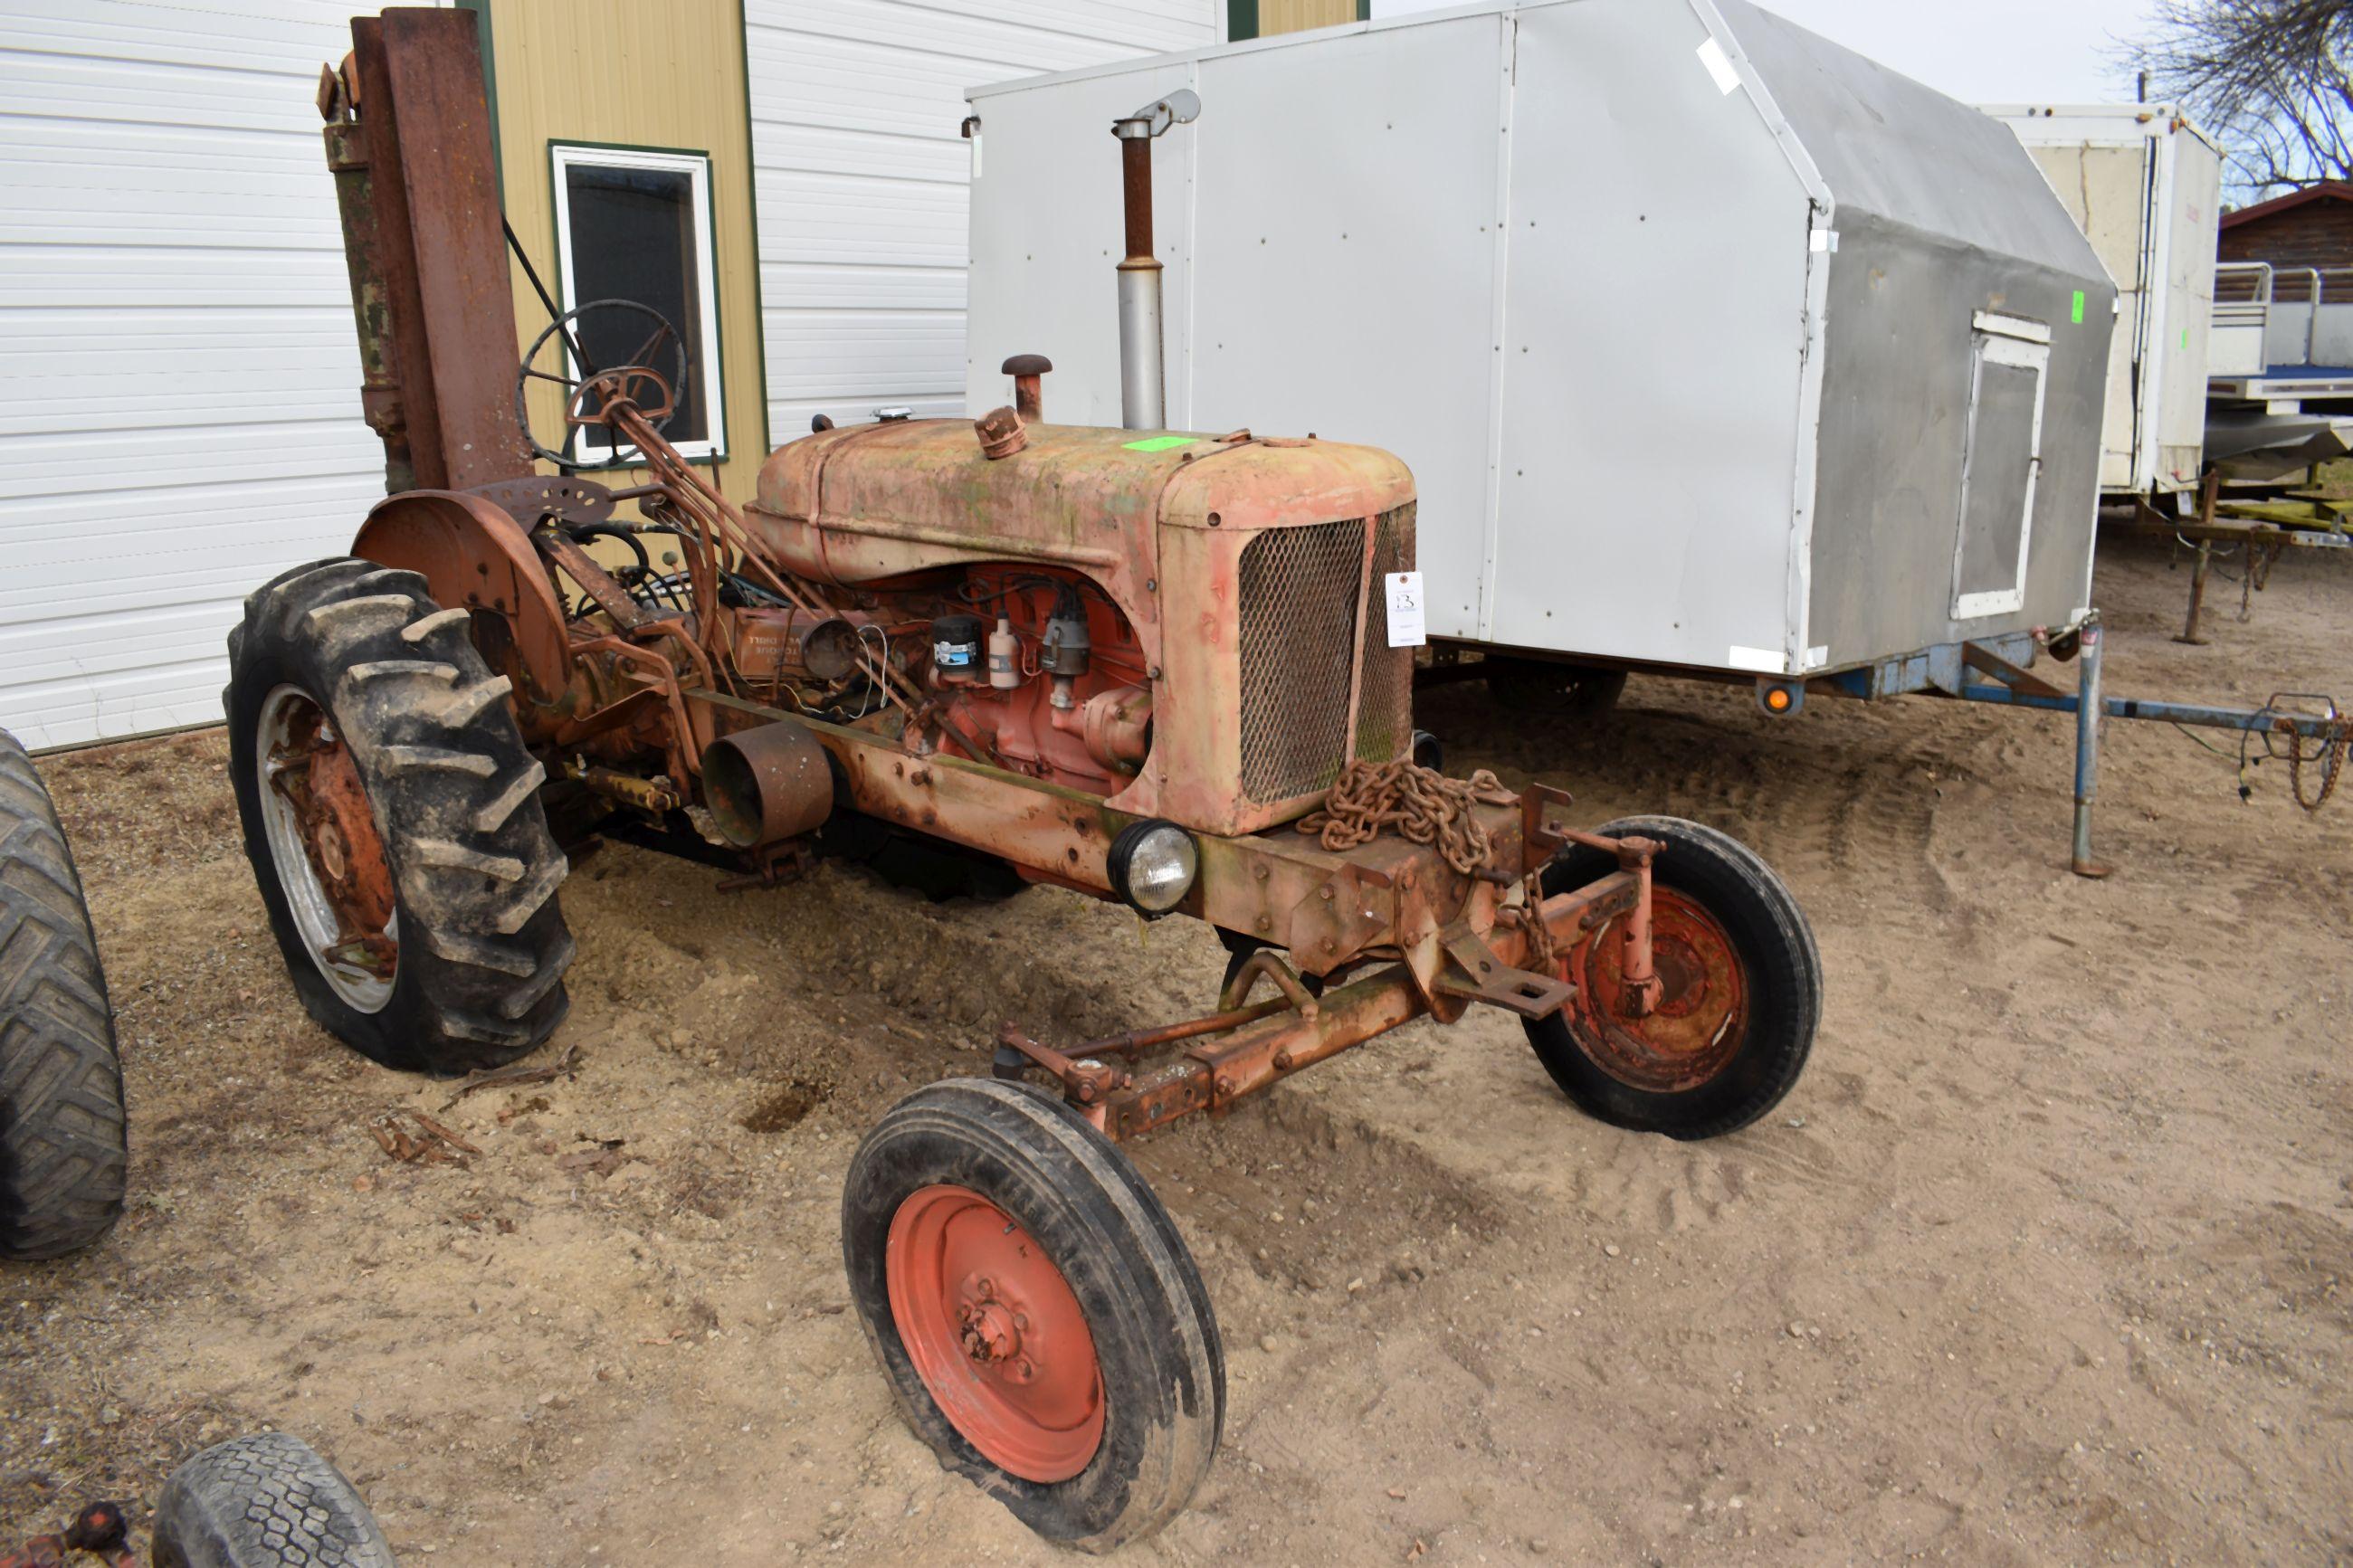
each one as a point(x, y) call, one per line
point(1147, 666)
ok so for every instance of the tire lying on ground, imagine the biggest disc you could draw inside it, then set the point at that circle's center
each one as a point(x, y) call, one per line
point(62, 1146)
point(393, 818)
point(265, 1500)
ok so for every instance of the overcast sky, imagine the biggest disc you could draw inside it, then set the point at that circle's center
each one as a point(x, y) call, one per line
point(1981, 51)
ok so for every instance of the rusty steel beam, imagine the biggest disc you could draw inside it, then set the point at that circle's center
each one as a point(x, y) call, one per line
point(410, 140)
point(1213, 1074)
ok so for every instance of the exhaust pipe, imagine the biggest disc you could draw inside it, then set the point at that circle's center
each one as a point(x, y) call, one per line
point(1141, 384)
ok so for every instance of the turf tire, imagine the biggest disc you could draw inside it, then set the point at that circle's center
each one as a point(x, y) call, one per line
point(63, 1150)
point(266, 1500)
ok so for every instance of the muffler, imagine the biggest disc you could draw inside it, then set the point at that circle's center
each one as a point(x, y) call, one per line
point(1142, 383)
point(768, 784)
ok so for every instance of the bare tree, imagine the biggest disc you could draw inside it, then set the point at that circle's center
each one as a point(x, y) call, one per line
point(2269, 77)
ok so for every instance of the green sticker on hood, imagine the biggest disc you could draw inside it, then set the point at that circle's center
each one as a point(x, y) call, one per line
point(2075, 313)
point(1160, 443)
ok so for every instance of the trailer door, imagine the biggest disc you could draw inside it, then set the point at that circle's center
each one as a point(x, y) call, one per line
point(2001, 461)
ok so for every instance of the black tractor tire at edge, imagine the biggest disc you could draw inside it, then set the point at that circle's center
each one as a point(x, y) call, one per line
point(1776, 947)
point(482, 942)
point(63, 1149)
point(265, 1500)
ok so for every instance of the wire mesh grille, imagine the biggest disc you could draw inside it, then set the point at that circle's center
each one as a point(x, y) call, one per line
point(1299, 610)
point(1385, 708)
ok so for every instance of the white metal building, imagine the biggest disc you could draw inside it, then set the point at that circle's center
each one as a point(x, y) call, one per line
point(179, 403)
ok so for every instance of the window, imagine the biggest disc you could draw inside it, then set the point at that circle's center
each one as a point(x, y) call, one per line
point(2001, 458)
point(633, 224)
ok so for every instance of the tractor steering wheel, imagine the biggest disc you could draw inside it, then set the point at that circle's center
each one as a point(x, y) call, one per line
point(589, 391)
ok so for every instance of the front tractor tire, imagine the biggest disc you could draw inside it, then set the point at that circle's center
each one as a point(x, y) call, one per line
point(1741, 990)
point(393, 818)
point(1037, 1314)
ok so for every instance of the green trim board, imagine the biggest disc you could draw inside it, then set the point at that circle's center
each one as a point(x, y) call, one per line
point(752, 185)
point(482, 36)
point(721, 449)
point(1242, 20)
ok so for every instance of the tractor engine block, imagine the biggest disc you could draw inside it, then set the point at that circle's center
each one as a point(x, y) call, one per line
point(1190, 626)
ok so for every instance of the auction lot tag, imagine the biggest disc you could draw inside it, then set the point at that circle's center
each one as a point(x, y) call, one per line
point(1405, 609)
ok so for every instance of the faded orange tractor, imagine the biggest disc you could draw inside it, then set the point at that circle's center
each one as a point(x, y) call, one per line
point(1129, 663)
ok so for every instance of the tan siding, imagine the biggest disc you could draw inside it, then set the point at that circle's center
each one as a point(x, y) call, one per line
point(1298, 16)
point(649, 73)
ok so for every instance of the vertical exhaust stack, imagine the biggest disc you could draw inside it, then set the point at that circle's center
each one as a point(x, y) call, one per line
point(1141, 382)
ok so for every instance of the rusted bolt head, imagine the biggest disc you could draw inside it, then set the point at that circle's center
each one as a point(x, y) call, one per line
point(1283, 1061)
point(1001, 433)
point(1026, 365)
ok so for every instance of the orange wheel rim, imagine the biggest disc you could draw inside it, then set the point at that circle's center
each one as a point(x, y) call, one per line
point(1702, 1017)
point(995, 1333)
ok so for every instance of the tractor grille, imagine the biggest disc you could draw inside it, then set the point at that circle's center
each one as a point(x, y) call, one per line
point(1302, 614)
point(1385, 708)
point(1298, 609)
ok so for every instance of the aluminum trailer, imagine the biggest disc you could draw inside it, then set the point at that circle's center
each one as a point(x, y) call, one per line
point(1713, 346)
point(2145, 185)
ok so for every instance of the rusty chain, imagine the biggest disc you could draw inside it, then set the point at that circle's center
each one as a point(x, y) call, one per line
point(2329, 754)
point(1424, 807)
point(1542, 957)
point(1421, 805)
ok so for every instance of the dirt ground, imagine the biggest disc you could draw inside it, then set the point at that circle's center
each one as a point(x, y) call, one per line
point(2045, 1260)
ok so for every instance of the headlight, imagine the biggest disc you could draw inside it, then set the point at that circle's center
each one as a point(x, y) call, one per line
point(1153, 864)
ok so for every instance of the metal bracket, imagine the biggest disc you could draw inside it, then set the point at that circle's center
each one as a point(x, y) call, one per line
point(1179, 107)
point(1538, 837)
point(1478, 975)
point(1979, 656)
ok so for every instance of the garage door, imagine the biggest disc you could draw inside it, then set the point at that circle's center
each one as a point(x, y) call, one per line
point(179, 404)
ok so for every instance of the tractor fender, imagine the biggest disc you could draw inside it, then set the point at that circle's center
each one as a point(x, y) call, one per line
point(472, 553)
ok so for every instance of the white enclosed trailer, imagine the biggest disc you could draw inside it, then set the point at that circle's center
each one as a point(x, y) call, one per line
point(1711, 344)
point(2145, 185)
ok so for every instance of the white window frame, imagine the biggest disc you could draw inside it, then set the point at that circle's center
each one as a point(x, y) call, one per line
point(2020, 344)
point(589, 447)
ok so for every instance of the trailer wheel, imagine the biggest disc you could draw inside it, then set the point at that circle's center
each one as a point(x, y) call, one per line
point(265, 1500)
point(393, 818)
point(1742, 990)
point(61, 1126)
point(1553, 687)
point(1040, 1320)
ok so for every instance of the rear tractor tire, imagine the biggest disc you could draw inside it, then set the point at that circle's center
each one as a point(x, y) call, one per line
point(1040, 1320)
point(62, 1151)
point(393, 818)
point(1741, 990)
